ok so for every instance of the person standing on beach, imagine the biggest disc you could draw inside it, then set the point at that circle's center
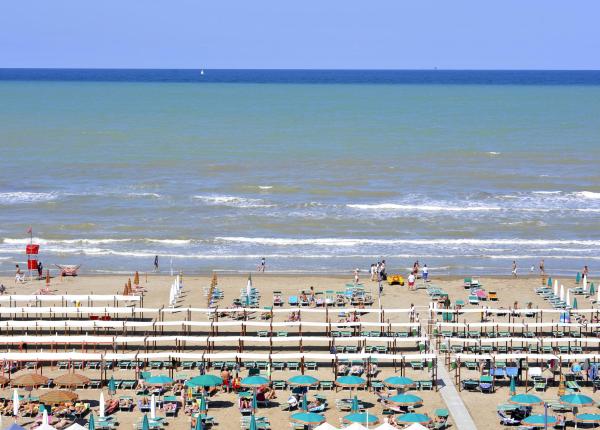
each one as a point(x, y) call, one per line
point(263, 265)
point(356, 278)
point(514, 269)
point(156, 263)
point(425, 273)
point(40, 270)
point(542, 268)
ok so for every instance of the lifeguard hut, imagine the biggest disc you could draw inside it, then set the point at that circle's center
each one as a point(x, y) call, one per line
point(32, 250)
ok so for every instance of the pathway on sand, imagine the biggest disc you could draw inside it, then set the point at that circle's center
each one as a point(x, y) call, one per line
point(460, 415)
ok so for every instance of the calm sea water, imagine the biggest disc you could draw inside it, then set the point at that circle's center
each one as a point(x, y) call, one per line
point(316, 171)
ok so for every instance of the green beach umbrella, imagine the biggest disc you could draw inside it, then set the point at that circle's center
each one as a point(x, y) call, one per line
point(525, 400)
point(253, 425)
point(350, 381)
point(112, 386)
point(413, 418)
point(303, 380)
point(588, 418)
point(575, 303)
point(254, 401)
point(549, 283)
point(539, 420)
point(159, 380)
point(361, 418)
point(576, 400)
point(206, 380)
point(513, 387)
point(145, 423)
point(354, 407)
point(304, 405)
point(254, 381)
point(592, 289)
point(398, 381)
point(405, 399)
point(199, 425)
point(92, 423)
point(308, 417)
point(578, 278)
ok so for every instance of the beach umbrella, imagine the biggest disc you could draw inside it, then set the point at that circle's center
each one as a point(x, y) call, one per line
point(539, 420)
point(71, 380)
point(159, 380)
point(92, 423)
point(549, 283)
point(30, 380)
point(584, 283)
point(361, 418)
point(303, 380)
point(386, 426)
point(153, 407)
point(325, 426)
point(555, 287)
point(592, 289)
point(304, 405)
point(145, 423)
point(525, 400)
point(45, 417)
point(199, 425)
point(398, 381)
point(588, 418)
point(101, 405)
point(578, 278)
point(112, 386)
point(254, 381)
point(254, 402)
point(568, 299)
point(413, 418)
point(15, 403)
point(206, 380)
point(355, 406)
point(253, 425)
point(513, 388)
point(76, 426)
point(562, 293)
point(350, 381)
point(308, 418)
point(355, 426)
point(136, 278)
point(576, 400)
point(405, 399)
point(55, 397)
point(574, 303)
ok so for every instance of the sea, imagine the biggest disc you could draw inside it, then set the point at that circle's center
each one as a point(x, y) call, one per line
point(317, 171)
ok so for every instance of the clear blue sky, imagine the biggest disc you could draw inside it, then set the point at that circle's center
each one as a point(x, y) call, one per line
point(378, 34)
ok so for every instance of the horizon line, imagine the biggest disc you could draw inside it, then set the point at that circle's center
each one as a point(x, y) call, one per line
point(306, 69)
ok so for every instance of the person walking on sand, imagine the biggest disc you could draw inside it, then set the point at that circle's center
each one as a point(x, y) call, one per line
point(263, 265)
point(156, 263)
point(542, 268)
point(514, 269)
point(19, 277)
point(425, 273)
point(356, 278)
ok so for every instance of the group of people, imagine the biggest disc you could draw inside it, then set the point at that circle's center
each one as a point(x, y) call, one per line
point(378, 271)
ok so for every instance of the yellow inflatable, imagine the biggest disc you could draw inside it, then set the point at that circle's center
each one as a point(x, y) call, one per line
point(395, 280)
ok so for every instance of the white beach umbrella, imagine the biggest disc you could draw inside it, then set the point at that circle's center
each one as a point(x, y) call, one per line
point(153, 407)
point(76, 427)
point(45, 417)
point(46, 427)
point(562, 292)
point(16, 403)
point(568, 301)
point(249, 286)
point(584, 283)
point(386, 426)
point(416, 426)
point(556, 287)
point(101, 411)
point(598, 298)
point(325, 426)
point(355, 426)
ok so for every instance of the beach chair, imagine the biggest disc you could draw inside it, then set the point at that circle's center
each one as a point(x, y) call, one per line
point(506, 420)
point(493, 296)
point(472, 365)
point(539, 383)
point(467, 283)
point(278, 365)
point(470, 384)
point(326, 385)
point(473, 300)
point(293, 301)
point(486, 384)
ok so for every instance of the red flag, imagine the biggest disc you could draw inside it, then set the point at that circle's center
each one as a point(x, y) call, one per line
point(29, 230)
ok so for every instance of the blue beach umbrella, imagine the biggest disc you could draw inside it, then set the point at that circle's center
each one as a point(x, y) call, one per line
point(398, 381)
point(575, 303)
point(254, 381)
point(576, 400)
point(205, 380)
point(159, 380)
point(549, 283)
point(539, 420)
point(588, 418)
point(304, 405)
point(413, 418)
point(525, 400)
point(592, 289)
point(578, 278)
point(199, 425)
point(112, 386)
point(254, 401)
point(406, 399)
point(303, 380)
point(308, 417)
point(361, 418)
point(202, 406)
point(253, 425)
point(145, 423)
point(354, 407)
point(92, 423)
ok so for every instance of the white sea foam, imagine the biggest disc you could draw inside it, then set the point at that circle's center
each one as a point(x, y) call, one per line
point(233, 201)
point(170, 241)
point(265, 187)
point(547, 192)
point(354, 242)
point(430, 208)
point(588, 195)
point(19, 197)
point(40, 241)
point(493, 153)
point(155, 195)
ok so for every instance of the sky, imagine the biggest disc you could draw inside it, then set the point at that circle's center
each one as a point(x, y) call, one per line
point(306, 34)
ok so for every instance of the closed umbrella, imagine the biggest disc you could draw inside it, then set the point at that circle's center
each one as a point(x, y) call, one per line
point(578, 278)
point(45, 420)
point(584, 283)
point(253, 425)
point(549, 283)
point(15, 403)
point(199, 425)
point(354, 407)
point(555, 287)
point(101, 411)
point(112, 385)
point(513, 388)
point(568, 299)
point(92, 423)
point(145, 423)
point(304, 403)
point(153, 407)
point(562, 293)
point(575, 303)
point(592, 289)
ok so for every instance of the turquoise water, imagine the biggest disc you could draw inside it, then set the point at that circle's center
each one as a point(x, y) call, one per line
point(314, 176)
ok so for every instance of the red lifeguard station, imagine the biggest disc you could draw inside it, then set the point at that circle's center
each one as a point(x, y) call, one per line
point(32, 250)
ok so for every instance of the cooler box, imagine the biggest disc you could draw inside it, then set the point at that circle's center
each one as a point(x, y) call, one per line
point(32, 249)
point(32, 264)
